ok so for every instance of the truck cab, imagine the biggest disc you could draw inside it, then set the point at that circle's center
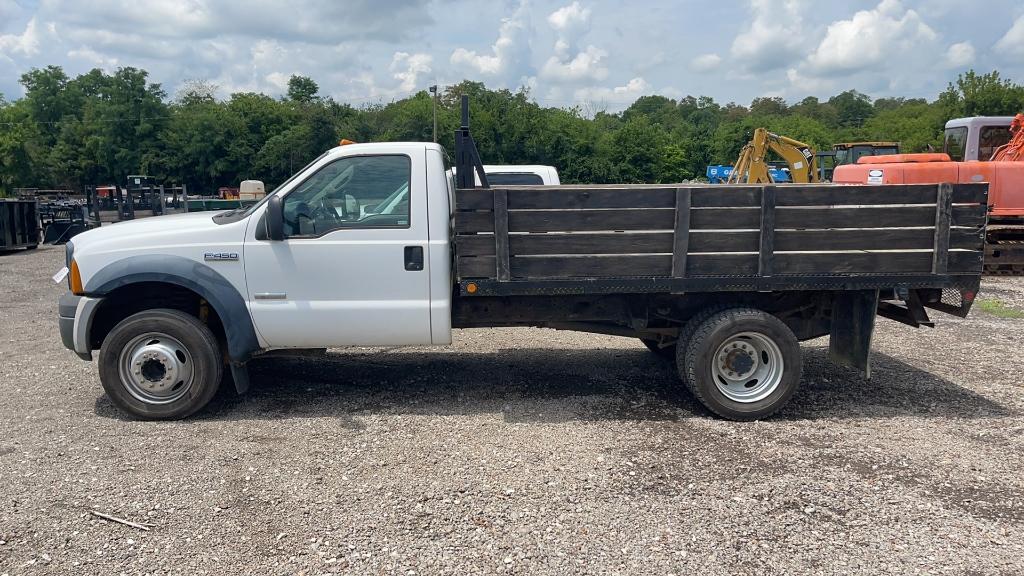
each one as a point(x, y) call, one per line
point(975, 138)
point(363, 258)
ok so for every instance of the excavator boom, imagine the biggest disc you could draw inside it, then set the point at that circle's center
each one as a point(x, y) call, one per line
point(752, 167)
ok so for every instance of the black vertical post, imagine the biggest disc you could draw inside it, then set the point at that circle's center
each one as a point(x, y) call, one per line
point(467, 157)
point(943, 216)
point(681, 235)
point(766, 256)
point(501, 256)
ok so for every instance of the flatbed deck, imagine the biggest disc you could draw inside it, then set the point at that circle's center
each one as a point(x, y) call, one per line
point(655, 238)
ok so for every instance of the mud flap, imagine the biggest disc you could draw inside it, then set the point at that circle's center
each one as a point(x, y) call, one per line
point(853, 324)
point(240, 374)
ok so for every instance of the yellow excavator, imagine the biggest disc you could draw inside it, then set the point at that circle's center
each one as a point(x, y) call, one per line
point(752, 166)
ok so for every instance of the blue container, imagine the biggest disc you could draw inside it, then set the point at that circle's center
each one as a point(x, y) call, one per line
point(718, 174)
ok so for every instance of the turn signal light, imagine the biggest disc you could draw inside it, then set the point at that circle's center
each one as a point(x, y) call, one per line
point(75, 280)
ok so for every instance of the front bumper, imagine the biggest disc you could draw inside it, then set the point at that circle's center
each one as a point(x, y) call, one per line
point(74, 317)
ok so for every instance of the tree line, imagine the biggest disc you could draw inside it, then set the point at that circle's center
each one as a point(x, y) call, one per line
point(98, 128)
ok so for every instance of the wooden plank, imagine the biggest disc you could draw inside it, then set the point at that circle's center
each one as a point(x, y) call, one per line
point(681, 234)
point(476, 267)
point(719, 219)
point(527, 199)
point(767, 249)
point(969, 216)
point(725, 219)
point(501, 234)
point(655, 196)
point(643, 242)
point(855, 239)
point(969, 261)
point(943, 215)
point(619, 197)
point(469, 222)
point(474, 199)
point(592, 266)
point(845, 195)
point(652, 265)
point(591, 220)
point(967, 238)
point(724, 196)
point(852, 262)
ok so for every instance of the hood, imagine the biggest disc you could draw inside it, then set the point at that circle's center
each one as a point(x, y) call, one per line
point(158, 231)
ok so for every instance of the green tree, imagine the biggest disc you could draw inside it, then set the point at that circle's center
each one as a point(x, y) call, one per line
point(302, 89)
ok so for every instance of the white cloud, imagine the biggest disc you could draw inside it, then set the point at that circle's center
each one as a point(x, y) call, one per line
point(705, 62)
point(570, 17)
point(802, 84)
point(508, 52)
point(1012, 43)
point(568, 63)
point(870, 38)
point(407, 69)
point(960, 55)
point(585, 65)
point(774, 37)
point(619, 94)
point(24, 44)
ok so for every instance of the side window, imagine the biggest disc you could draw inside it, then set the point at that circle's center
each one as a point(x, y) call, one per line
point(956, 141)
point(352, 192)
point(990, 138)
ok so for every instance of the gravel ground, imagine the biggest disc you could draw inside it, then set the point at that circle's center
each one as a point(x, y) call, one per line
point(521, 452)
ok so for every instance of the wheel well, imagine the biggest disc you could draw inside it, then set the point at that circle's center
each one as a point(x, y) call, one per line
point(133, 298)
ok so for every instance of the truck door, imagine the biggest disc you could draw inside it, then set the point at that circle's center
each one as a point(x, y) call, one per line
point(351, 269)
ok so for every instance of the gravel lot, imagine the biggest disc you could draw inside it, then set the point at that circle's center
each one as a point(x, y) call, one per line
point(521, 452)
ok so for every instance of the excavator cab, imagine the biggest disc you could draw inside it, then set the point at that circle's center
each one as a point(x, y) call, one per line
point(851, 152)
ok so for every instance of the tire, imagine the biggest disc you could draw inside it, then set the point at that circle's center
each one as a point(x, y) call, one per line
point(160, 364)
point(686, 335)
point(667, 352)
point(742, 363)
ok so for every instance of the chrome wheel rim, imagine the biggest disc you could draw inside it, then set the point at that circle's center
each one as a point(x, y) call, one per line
point(747, 367)
point(156, 368)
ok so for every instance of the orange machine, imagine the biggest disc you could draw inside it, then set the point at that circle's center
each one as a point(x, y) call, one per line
point(1003, 169)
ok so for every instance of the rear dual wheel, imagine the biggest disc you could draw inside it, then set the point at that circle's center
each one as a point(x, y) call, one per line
point(740, 363)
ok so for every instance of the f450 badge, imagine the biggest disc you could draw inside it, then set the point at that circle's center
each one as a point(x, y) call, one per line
point(220, 256)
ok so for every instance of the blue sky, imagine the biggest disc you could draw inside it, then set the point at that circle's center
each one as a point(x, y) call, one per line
point(598, 54)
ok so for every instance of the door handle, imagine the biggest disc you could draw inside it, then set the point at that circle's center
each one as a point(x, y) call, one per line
point(414, 258)
point(270, 296)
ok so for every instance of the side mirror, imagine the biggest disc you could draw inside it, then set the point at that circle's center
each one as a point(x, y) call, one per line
point(275, 218)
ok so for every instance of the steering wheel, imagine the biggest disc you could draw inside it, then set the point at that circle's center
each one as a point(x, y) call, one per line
point(327, 210)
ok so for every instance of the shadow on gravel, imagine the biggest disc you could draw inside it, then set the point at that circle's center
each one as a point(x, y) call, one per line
point(895, 389)
point(559, 385)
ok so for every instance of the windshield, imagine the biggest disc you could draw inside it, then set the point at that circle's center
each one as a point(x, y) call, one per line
point(955, 144)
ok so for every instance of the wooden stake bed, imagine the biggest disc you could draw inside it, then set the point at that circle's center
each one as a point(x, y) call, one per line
point(641, 238)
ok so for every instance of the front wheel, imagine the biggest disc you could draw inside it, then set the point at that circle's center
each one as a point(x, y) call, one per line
point(160, 364)
point(742, 364)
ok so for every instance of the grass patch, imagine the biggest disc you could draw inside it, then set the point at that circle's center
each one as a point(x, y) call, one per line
point(997, 308)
